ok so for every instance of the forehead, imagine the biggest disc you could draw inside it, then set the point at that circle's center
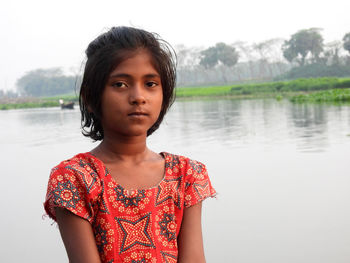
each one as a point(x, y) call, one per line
point(136, 62)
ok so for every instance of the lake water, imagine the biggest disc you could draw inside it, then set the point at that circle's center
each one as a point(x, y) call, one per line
point(281, 172)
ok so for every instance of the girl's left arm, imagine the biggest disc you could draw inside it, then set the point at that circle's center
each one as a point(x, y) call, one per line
point(190, 240)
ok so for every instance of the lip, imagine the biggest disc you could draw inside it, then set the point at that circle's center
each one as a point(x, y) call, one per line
point(138, 113)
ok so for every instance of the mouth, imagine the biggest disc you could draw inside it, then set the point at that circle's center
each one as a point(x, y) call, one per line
point(138, 113)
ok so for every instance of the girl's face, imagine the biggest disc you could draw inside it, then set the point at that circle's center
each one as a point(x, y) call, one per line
point(132, 98)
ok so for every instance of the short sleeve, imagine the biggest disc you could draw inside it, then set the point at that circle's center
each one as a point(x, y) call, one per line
point(73, 188)
point(197, 184)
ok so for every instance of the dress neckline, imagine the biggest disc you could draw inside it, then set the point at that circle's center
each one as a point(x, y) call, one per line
point(109, 176)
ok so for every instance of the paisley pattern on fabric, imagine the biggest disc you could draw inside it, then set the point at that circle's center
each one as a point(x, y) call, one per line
point(133, 226)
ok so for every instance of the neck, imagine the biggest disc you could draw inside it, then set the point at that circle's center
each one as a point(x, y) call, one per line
point(122, 148)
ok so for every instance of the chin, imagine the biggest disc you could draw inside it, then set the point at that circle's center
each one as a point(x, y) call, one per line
point(135, 132)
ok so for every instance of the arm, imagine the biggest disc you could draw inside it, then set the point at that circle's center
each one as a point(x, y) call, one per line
point(190, 241)
point(78, 237)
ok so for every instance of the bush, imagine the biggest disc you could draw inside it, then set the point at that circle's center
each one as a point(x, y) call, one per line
point(334, 95)
point(343, 83)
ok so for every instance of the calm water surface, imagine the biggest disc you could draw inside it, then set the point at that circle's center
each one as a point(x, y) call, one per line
point(281, 172)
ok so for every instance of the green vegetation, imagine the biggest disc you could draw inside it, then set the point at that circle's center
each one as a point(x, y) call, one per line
point(269, 89)
point(334, 95)
point(309, 84)
point(237, 91)
point(214, 91)
point(67, 97)
point(26, 103)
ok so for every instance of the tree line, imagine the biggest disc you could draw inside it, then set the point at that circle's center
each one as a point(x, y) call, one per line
point(45, 82)
point(304, 54)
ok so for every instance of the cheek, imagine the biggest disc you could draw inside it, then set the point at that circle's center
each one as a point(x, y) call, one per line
point(160, 102)
point(110, 107)
point(157, 106)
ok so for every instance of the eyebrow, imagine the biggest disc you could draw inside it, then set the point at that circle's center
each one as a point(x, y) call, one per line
point(123, 75)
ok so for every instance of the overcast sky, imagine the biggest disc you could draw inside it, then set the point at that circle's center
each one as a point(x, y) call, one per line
point(43, 34)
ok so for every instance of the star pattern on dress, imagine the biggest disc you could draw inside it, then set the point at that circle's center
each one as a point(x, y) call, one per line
point(168, 227)
point(169, 258)
point(140, 226)
point(202, 189)
point(66, 195)
point(169, 190)
point(87, 172)
point(135, 232)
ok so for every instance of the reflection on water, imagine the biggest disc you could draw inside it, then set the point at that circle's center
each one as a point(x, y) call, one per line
point(311, 125)
point(280, 170)
point(266, 122)
point(233, 123)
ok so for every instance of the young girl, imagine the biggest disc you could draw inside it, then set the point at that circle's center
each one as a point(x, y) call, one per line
point(122, 202)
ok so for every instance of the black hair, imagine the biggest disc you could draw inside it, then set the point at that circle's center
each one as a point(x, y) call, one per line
point(104, 54)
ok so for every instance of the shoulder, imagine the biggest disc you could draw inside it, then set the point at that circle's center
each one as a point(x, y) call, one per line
point(187, 165)
point(82, 164)
point(82, 171)
point(74, 184)
point(197, 185)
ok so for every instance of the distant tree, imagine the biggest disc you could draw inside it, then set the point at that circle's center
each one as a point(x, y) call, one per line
point(346, 42)
point(220, 53)
point(267, 51)
point(270, 49)
point(187, 57)
point(331, 54)
point(209, 57)
point(303, 43)
point(246, 53)
point(8, 94)
point(45, 82)
point(11, 94)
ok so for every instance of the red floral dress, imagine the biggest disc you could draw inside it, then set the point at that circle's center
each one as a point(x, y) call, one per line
point(133, 226)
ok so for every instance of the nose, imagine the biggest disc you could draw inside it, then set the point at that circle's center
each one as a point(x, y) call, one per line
point(137, 96)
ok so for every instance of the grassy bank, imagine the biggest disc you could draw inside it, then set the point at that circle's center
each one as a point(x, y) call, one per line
point(269, 89)
point(213, 91)
point(294, 89)
point(333, 95)
point(26, 103)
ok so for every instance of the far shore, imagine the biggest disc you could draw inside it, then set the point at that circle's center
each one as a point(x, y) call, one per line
point(315, 90)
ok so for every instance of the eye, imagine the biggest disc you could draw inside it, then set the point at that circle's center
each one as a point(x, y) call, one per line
point(151, 84)
point(119, 84)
